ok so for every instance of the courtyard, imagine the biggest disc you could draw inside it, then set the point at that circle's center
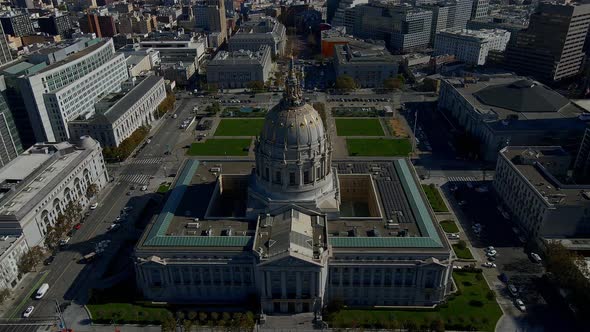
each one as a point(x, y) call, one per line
point(220, 147)
point(378, 147)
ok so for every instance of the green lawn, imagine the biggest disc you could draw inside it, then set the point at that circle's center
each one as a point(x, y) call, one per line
point(462, 253)
point(163, 188)
point(220, 147)
point(128, 313)
point(359, 127)
point(435, 199)
point(470, 310)
point(240, 127)
point(449, 226)
point(375, 147)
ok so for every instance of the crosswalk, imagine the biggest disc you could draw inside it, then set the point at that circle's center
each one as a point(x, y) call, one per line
point(135, 178)
point(461, 178)
point(147, 161)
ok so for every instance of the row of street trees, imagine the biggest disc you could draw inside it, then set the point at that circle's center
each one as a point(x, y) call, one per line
point(236, 321)
point(121, 152)
point(166, 105)
point(346, 83)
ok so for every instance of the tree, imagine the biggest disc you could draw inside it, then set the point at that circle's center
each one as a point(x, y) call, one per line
point(392, 83)
point(345, 83)
point(212, 87)
point(91, 190)
point(203, 317)
point(166, 105)
point(169, 324)
point(4, 294)
point(255, 86)
point(462, 245)
point(30, 259)
point(437, 325)
point(321, 108)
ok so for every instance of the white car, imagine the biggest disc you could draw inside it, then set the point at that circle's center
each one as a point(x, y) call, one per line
point(113, 227)
point(536, 257)
point(28, 311)
point(453, 236)
point(491, 253)
point(490, 248)
point(64, 241)
point(143, 188)
point(93, 206)
point(520, 305)
point(489, 264)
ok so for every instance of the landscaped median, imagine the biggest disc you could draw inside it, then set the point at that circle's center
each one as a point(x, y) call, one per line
point(378, 147)
point(473, 307)
point(462, 251)
point(220, 147)
point(449, 226)
point(434, 197)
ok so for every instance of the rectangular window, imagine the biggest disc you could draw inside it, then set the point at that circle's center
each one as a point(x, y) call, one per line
point(292, 178)
point(306, 177)
point(278, 177)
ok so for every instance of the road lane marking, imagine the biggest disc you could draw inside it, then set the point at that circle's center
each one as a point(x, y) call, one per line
point(28, 297)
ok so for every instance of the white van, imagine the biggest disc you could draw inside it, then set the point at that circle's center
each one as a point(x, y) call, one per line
point(41, 291)
point(215, 170)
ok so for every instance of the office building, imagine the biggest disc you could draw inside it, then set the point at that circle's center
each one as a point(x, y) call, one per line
point(10, 144)
point(181, 72)
point(339, 14)
point(471, 46)
point(5, 55)
point(480, 9)
point(209, 16)
point(37, 185)
point(236, 69)
point(17, 24)
point(257, 32)
point(451, 15)
point(101, 25)
point(501, 110)
point(176, 47)
point(286, 233)
point(552, 47)
point(49, 84)
point(56, 25)
point(531, 182)
point(369, 68)
point(118, 115)
point(403, 27)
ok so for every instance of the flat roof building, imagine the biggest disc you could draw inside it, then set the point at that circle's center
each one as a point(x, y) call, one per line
point(532, 183)
point(236, 69)
point(501, 110)
point(368, 67)
point(470, 46)
point(37, 185)
point(118, 115)
point(257, 32)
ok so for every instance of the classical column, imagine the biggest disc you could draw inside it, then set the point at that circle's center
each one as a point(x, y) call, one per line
point(283, 284)
point(268, 284)
point(201, 281)
point(313, 281)
point(298, 284)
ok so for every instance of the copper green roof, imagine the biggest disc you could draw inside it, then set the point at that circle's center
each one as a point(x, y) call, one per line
point(157, 235)
point(429, 238)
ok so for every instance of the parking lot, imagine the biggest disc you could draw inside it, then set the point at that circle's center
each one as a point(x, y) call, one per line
point(476, 203)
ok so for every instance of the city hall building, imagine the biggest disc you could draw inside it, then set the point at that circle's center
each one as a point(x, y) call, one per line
point(295, 230)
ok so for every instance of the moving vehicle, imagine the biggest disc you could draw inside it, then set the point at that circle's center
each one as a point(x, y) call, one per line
point(28, 311)
point(93, 206)
point(520, 305)
point(113, 227)
point(174, 116)
point(143, 188)
point(48, 260)
point(536, 257)
point(89, 257)
point(41, 291)
point(65, 241)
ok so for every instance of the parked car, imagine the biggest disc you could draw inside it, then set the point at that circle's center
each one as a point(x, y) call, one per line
point(28, 311)
point(65, 241)
point(113, 227)
point(512, 289)
point(520, 305)
point(48, 260)
point(503, 277)
point(491, 253)
point(490, 248)
point(536, 257)
point(77, 226)
point(143, 188)
point(93, 206)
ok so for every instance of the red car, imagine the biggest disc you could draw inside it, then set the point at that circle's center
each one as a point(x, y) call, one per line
point(77, 227)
